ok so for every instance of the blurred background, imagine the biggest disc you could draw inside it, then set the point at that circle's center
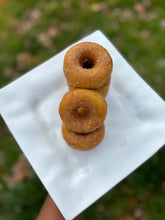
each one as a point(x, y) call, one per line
point(32, 32)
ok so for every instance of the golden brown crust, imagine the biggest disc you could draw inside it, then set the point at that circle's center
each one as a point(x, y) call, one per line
point(103, 90)
point(83, 141)
point(87, 65)
point(78, 121)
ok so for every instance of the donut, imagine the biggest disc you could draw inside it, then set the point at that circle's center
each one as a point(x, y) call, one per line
point(82, 110)
point(87, 65)
point(103, 90)
point(83, 141)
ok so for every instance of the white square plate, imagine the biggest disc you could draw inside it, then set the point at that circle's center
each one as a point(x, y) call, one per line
point(135, 130)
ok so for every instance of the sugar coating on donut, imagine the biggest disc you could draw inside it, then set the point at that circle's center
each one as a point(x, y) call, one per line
point(83, 141)
point(87, 65)
point(103, 90)
point(94, 110)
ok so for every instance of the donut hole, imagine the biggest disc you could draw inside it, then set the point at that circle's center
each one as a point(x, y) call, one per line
point(87, 64)
point(82, 110)
point(86, 61)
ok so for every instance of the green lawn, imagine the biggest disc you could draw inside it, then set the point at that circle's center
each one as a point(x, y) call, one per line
point(33, 31)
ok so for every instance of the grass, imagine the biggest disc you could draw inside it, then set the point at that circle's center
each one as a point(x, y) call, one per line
point(33, 31)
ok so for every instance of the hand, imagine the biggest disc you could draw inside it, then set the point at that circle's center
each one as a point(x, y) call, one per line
point(50, 211)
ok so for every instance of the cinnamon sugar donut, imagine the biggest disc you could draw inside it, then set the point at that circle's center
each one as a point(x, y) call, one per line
point(87, 65)
point(103, 90)
point(83, 141)
point(82, 110)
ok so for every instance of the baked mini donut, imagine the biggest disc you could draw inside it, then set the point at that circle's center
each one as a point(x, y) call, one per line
point(82, 110)
point(83, 141)
point(103, 90)
point(87, 65)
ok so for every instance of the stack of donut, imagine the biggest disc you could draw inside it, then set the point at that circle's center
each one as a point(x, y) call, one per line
point(87, 68)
